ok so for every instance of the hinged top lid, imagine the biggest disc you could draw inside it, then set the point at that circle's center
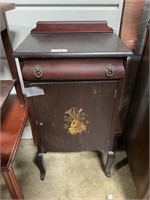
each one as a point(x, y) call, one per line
point(72, 39)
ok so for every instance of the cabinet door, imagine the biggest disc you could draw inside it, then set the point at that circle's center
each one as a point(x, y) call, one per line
point(75, 116)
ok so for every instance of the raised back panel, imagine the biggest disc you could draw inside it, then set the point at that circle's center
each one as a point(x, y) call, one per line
point(74, 26)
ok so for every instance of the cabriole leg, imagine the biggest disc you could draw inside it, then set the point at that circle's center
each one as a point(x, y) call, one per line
point(110, 161)
point(39, 161)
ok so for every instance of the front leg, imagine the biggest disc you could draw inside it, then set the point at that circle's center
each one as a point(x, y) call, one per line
point(39, 161)
point(110, 161)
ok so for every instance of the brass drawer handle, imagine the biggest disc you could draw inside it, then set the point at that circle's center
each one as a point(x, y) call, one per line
point(37, 71)
point(109, 72)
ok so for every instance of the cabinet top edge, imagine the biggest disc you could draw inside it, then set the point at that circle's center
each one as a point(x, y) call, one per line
point(72, 45)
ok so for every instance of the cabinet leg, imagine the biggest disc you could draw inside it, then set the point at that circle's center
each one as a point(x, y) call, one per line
point(39, 161)
point(110, 161)
point(12, 184)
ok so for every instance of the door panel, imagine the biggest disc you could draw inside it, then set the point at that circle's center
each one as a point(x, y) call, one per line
point(75, 116)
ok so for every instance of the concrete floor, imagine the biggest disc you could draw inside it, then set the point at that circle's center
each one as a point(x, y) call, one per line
point(70, 176)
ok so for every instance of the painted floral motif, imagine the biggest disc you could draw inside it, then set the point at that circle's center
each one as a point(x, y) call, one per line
point(75, 121)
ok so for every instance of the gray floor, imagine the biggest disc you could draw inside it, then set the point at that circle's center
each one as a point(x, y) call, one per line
point(70, 176)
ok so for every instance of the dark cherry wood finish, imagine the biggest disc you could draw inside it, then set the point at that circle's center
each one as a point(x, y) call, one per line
point(73, 74)
point(11, 129)
point(137, 128)
point(73, 45)
point(60, 26)
point(11, 181)
point(13, 114)
point(8, 47)
point(72, 69)
point(130, 33)
point(6, 87)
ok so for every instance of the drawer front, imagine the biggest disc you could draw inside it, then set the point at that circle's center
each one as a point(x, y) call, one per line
point(73, 69)
point(75, 116)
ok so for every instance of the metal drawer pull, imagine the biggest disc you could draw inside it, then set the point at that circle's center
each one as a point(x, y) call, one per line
point(109, 71)
point(37, 71)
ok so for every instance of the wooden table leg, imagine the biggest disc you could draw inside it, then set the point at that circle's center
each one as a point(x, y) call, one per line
point(12, 184)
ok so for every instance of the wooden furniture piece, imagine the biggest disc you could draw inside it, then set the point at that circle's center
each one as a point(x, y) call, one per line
point(137, 128)
point(13, 113)
point(72, 73)
point(129, 33)
point(8, 47)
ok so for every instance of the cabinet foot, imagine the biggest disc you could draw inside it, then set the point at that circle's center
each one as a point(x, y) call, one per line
point(39, 161)
point(110, 161)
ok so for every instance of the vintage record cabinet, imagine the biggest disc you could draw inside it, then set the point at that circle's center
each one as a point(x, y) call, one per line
point(72, 73)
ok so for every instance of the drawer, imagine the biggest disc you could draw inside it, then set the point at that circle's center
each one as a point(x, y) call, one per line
point(72, 69)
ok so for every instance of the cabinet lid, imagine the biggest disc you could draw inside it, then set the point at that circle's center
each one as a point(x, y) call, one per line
point(92, 40)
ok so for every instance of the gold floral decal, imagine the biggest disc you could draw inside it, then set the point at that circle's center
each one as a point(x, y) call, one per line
point(75, 121)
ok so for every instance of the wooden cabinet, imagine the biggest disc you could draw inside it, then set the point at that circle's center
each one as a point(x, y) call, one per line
point(137, 128)
point(72, 73)
point(13, 112)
